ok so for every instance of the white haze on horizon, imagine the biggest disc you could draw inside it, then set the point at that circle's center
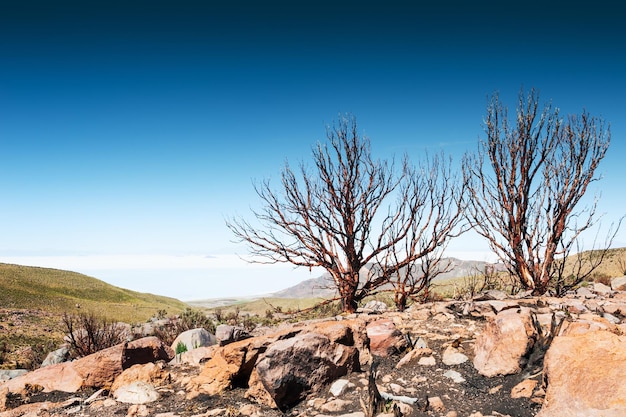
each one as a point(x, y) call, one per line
point(190, 277)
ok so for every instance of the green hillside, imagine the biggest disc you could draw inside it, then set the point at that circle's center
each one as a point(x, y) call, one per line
point(58, 291)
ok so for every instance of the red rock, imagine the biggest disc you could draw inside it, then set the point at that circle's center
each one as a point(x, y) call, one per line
point(385, 338)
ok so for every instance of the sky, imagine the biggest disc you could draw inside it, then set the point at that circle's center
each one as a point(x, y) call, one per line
point(131, 130)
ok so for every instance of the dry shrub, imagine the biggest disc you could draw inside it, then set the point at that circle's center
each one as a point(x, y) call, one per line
point(87, 333)
point(187, 320)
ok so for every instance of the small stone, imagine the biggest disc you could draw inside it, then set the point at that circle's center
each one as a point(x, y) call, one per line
point(137, 410)
point(435, 404)
point(340, 386)
point(524, 389)
point(452, 414)
point(427, 361)
point(395, 388)
point(451, 356)
point(250, 410)
point(136, 393)
point(455, 376)
point(495, 389)
point(335, 405)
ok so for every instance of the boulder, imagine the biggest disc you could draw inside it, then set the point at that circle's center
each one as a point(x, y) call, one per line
point(194, 338)
point(153, 373)
point(385, 338)
point(585, 376)
point(231, 365)
point(226, 334)
point(293, 368)
point(505, 340)
point(6, 374)
point(196, 356)
point(146, 350)
point(345, 332)
point(618, 284)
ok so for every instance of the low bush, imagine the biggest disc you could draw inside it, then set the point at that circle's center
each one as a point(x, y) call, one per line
point(87, 333)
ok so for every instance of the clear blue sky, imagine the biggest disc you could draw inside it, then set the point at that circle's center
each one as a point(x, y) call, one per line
point(129, 130)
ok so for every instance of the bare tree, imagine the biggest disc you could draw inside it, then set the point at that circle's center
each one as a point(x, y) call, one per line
point(437, 216)
point(527, 180)
point(340, 216)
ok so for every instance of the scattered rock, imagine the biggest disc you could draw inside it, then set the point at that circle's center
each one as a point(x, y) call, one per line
point(618, 284)
point(435, 404)
point(454, 375)
point(413, 356)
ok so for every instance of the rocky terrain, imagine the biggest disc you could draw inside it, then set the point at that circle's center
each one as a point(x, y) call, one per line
point(489, 356)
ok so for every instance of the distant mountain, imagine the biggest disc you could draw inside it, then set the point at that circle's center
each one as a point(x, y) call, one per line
point(323, 285)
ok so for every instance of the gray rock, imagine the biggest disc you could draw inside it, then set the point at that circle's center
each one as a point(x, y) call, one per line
point(194, 338)
point(451, 356)
point(293, 368)
point(226, 334)
point(138, 392)
point(340, 387)
point(6, 374)
point(601, 289)
point(60, 355)
point(618, 284)
point(454, 375)
point(374, 306)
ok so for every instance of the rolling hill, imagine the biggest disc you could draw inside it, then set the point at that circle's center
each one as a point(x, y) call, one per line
point(59, 291)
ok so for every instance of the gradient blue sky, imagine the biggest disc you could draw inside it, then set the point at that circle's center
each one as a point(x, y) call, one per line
point(130, 130)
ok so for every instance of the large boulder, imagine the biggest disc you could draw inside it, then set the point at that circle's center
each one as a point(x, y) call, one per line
point(231, 365)
point(585, 375)
point(506, 339)
point(293, 368)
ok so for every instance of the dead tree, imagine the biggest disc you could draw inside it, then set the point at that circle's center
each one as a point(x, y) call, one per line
point(346, 215)
point(526, 182)
point(436, 196)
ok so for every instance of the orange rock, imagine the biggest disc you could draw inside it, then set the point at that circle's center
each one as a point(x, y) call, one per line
point(524, 389)
point(505, 340)
point(585, 376)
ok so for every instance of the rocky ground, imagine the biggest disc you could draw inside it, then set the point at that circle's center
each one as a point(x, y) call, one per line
point(437, 376)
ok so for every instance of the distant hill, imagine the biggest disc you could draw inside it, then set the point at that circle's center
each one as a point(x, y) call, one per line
point(60, 291)
point(323, 287)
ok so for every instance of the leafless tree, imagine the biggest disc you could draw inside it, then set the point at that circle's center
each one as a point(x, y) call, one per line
point(526, 182)
point(349, 213)
point(436, 195)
